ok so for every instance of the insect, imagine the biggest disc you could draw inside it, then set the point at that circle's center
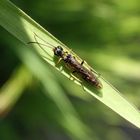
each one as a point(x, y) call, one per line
point(72, 63)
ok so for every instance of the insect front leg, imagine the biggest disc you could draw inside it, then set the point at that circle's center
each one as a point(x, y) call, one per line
point(58, 61)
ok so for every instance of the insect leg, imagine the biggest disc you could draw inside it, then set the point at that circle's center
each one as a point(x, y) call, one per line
point(61, 59)
point(82, 62)
point(75, 78)
point(72, 74)
point(58, 61)
point(82, 85)
point(80, 81)
point(91, 69)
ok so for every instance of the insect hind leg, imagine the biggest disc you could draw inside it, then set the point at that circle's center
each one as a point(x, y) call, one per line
point(72, 77)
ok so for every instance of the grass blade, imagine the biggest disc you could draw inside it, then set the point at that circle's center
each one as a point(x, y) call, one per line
point(23, 27)
point(12, 90)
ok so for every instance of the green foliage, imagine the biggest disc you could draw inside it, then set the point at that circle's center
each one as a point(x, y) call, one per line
point(107, 26)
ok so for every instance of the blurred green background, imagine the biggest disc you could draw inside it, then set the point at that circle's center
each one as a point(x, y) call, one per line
point(104, 33)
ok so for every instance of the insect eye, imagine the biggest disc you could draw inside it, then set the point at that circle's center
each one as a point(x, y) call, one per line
point(58, 51)
point(60, 48)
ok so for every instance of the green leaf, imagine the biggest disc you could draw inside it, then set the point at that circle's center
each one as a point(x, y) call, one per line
point(69, 119)
point(24, 28)
point(12, 90)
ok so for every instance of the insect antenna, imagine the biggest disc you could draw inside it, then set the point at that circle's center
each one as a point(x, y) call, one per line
point(41, 44)
point(45, 42)
point(35, 42)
